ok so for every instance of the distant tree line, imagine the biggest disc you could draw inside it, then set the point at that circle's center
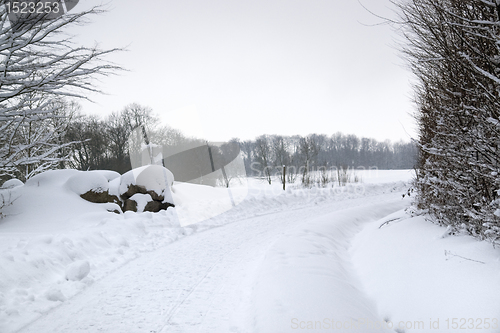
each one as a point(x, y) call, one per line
point(266, 155)
point(89, 142)
point(104, 143)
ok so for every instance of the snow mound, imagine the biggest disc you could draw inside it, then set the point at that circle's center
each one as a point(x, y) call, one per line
point(55, 295)
point(51, 178)
point(77, 270)
point(87, 181)
point(114, 186)
point(108, 174)
point(11, 184)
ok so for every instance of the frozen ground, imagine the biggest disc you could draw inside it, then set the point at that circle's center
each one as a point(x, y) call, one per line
point(279, 261)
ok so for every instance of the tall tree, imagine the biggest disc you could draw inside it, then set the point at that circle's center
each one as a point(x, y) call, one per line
point(90, 151)
point(40, 63)
point(263, 157)
point(42, 137)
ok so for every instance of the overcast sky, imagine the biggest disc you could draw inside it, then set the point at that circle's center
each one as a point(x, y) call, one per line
point(220, 69)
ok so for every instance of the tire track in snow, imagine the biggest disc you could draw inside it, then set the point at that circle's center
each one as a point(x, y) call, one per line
point(307, 280)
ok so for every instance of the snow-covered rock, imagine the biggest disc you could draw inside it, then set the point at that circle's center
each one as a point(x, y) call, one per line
point(114, 186)
point(93, 186)
point(151, 177)
point(146, 189)
point(152, 182)
point(85, 181)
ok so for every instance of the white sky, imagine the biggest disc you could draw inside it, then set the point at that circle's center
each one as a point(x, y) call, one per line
point(231, 68)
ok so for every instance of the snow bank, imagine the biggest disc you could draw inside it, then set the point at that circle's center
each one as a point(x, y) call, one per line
point(41, 267)
point(51, 178)
point(46, 203)
point(424, 281)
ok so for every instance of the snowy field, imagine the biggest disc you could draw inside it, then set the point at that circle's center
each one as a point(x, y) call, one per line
point(255, 259)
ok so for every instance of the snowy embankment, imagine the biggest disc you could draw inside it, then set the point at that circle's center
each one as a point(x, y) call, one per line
point(50, 234)
point(424, 280)
point(218, 280)
point(342, 261)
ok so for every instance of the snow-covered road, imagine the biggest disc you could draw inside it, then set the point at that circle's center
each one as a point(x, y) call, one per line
point(277, 272)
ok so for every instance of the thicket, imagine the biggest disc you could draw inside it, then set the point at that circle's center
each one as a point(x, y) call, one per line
point(452, 47)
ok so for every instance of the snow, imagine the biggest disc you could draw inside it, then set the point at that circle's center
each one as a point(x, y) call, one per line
point(420, 275)
point(51, 178)
point(152, 177)
point(46, 204)
point(53, 295)
point(87, 181)
point(77, 270)
point(312, 261)
point(196, 203)
point(275, 261)
point(108, 174)
point(11, 183)
point(142, 200)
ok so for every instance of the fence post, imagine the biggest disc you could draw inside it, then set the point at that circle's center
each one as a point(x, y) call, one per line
point(284, 176)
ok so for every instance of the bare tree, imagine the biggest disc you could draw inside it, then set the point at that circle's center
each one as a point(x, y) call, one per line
point(453, 49)
point(309, 148)
point(263, 157)
point(40, 63)
point(90, 151)
point(40, 134)
point(281, 153)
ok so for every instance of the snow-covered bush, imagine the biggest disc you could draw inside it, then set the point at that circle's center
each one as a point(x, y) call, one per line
point(6, 193)
point(11, 183)
point(453, 49)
